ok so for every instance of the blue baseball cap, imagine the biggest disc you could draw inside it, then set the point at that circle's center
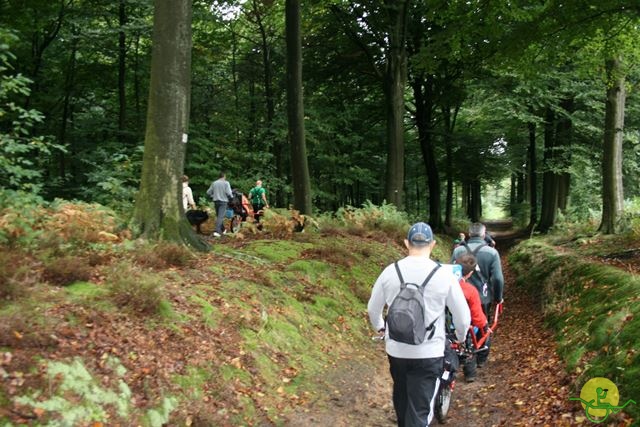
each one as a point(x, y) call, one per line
point(420, 234)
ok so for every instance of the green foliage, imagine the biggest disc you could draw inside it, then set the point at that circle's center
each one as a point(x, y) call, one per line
point(632, 217)
point(591, 308)
point(22, 156)
point(136, 290)
point(385, 218)
point(76, 398)
point(113, 178)
point(27, 221)
point(20, 217)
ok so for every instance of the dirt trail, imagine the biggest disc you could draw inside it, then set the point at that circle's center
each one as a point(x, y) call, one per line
point(524, 383)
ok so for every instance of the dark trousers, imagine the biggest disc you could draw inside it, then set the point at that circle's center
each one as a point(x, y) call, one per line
point(415, 382)
point(221, 211)
point(257, 208)
point(484, 355)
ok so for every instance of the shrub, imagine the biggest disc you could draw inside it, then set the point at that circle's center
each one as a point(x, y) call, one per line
point(20, 217)
point(67, 270)
point(369, 219)
point(162, 255)
point(173, 254)
point(28, 221)
point(282, 223)
point(81, 223)
point(135, 290)
point(17, 272)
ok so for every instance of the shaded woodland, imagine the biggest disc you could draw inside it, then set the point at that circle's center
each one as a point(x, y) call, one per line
point(421, 104)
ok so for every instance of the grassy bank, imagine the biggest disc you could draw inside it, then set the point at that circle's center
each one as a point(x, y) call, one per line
point(95, 327)
point(592, 308)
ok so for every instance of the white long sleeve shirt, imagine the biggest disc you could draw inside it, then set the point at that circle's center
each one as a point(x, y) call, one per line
point(442, 290)
point(187, 196)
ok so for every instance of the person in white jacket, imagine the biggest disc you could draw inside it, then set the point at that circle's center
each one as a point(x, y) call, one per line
point(416, 369)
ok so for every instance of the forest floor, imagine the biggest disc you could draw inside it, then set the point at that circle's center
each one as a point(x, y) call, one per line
point(524, 383)
point(199, 349)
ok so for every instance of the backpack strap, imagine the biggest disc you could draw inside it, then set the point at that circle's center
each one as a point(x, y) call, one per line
point(475, 254)
point(476, 250)
point(432, 325)
point(399, 274)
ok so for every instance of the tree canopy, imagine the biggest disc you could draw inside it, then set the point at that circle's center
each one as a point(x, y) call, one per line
point(422, 103)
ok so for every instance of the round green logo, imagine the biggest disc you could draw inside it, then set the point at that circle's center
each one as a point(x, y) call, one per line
point(599, 398)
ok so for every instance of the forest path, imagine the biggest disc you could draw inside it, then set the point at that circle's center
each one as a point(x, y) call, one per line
point(524, 383)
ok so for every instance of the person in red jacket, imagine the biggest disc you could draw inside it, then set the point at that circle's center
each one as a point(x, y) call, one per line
point(478, 318)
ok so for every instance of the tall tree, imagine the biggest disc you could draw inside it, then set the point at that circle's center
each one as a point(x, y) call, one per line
point(612, 194)
point(394, 86)
point(122, 70)
point(158, 212)
point(295, 109)
point(549, 206)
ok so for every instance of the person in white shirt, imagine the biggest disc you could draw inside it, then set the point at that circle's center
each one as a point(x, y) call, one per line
point(187, 194)
point(416, 369)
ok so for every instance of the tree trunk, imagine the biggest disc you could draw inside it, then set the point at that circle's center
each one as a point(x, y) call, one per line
point(475, 206)
point(533, 181)
point(449, 124)
point(513, 190)
point(136, 86)
point(521, 189)
point(122, 62)
point(394, 85)
point(549, 178)
point(423, 96)
point(159, 213)
point(66, 103)
point(41, 39)
point(564, 130)
point(277, 148)
point(612, 190)
point(295, 109)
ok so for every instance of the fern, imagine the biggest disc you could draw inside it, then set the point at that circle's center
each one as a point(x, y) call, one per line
point(76, 398)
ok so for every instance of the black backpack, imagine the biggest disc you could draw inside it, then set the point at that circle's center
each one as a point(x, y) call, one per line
point(406, 321)
point(483, 287)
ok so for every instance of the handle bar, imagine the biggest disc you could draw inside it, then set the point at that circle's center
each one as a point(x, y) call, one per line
point(478, 343)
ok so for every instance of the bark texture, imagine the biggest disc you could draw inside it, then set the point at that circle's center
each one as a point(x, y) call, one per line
point(612, 190)
point(158, 213)
point(295, 110)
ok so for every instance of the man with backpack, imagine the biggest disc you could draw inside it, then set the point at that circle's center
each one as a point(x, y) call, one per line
point(488, 278)
point(258, 197)
point(416, 291)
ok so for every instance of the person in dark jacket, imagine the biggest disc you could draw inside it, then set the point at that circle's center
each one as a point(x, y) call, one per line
point(488, 278)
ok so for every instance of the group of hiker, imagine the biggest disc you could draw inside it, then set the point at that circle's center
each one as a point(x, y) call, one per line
point(415, 325)
point(222, 195)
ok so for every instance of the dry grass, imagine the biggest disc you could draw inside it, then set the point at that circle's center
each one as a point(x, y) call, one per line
point(133, 289)
point(163, 255)
point(17, 273)
point(67, 270)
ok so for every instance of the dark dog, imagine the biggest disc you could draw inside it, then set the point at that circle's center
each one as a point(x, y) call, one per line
point(196, 217)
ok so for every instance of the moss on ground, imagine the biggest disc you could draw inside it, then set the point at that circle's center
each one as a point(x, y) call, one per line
point(593, 309)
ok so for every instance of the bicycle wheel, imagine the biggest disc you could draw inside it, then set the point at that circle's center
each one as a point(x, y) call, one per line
point(443, 402)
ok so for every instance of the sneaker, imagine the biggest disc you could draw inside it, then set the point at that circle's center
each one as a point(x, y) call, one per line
point(216, 234)
point(470, 379)
point(224, 232)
